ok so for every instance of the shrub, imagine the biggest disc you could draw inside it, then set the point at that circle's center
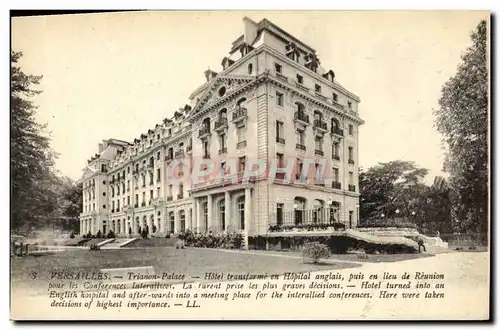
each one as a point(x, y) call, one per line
point(167, 236)
point(72, 235)
point(99, 234)
point(95, 247)
point(315, 251)
point(111, 234)
point(362, 254)
point(144, 233)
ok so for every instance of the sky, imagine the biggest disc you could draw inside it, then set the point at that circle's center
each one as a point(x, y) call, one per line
point(117, 75)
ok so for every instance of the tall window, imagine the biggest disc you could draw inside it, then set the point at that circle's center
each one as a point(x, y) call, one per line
point(222, 214)
point(181, 189)
point(279, 213)
point(335, 174)
point(158, 175)
point(351, 153)
point(278, 68)
point(151, 194)
point(158, 155)
point(205, 215)
point(113, 206)
point(151, 178)
point(317, 88)
point(299, 206)
point(318, 143)
point(349, 104)
point(300, 135)
point(351, 129)
point(182, 218)
point(128, 185)
point(222, 141)
point(351, 178)
point(279, 99)
point(172, 222)
point(300, 79)
point(123, 187)
point(128, 200)
point(241, 211)
point(170, 190)
point(241, 164)
point(241, 132)
point(279, 129)
point(117, 205)
point(158, 192)
point(335, 97)
point(136, 200)
point(143, 197)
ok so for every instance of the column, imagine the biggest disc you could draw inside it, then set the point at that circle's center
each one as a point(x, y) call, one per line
point(149, 224)
point(209, 212)
point(115, 229)
point(81, 227)
point(196, 214)
point(92, 229)
point(124, 227)
point(248, 213)
point(227, 211)
point(134, 225)
point(177, 225)
point(189, 218)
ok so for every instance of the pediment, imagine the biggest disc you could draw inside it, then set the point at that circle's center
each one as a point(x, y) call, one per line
point(220, 88)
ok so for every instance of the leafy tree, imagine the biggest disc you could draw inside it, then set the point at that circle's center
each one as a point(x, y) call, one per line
point(31, 158)
point(462, 119)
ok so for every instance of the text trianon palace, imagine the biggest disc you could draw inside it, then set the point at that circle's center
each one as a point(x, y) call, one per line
point(269, 142)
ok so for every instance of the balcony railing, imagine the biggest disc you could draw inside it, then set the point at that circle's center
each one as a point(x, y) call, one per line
point(151, 165)
point(336, 157)
point(169, 198)
point(168, 158)
point(352, 188)
point(180, 196)
point(203, 132)
point(239, 114)
point(321, 219)
point(351, 161)
point(280, 140)
point(241, 144)
point(220, 124)
point(136, 205)
point(281, 76)
point(319, 152)
point(301, 86)
point(320, 124)
point(301, 116)
point(300, 146)
point(143, 204)
point(337, 131)
point(189, 148)
point(336, 185)
point(223, 151)
point(179, 154)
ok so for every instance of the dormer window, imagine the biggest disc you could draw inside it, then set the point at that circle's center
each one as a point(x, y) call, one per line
point(349, 104)
point(300, 79)
point(278, 68)
point(335, 97)
point(317, 88)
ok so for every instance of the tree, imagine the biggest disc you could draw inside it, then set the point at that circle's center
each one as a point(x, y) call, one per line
point(462, 119)
point(390, 186)
point(31, 158)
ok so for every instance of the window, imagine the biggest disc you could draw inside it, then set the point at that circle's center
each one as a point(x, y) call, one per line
point(351, 129)
point(350, 218)
point(335, 174)
point(136, 200)
point(205, 215)
point(222, 141)
point(104, 206)
point(169, 131)
point(241, 211)
point(143, 196)
point(279, 99)
point(172, 222)
point(112, 206)
point(351, 151)
point(117, 205)
point(279, 214)
point(250, 68)
point(128, 200)
point(300, 135)
point(278, 68)
point(181, 189)
point(280, 160)
point(241, 164)
point(158, 192)
point(170, 190)
point(349, 104)
point(222, 168)
point(241, 132)
point(317, 88)
point(300, 167)
point(158, 175)
point(222, 214)
point(182, 218)
point(150, 179)
point(93, 206)
point(158, 156)
point(351, 178)
point(103, 167)
point(335, 97)
point(319, 143)
point(279, 129)
point(123, 187)
point(151, 194)
point(300, 79)
point(128, 185)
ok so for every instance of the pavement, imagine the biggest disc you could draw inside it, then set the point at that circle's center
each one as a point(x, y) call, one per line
point(466, 297)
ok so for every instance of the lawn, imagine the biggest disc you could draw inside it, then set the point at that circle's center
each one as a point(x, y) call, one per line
point(191, 262)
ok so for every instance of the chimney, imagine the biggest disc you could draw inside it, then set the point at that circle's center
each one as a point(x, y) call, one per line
point(250, 31)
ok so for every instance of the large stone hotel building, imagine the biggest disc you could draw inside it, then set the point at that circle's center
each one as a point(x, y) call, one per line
point(273, 104)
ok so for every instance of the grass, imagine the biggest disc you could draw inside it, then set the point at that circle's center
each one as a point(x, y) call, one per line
point(191, 262)
point(152, 242)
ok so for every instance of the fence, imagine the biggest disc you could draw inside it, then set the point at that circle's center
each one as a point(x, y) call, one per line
point(323, 216)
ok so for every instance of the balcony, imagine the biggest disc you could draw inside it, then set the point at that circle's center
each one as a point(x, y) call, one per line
point(168, 158)
point(206, 156)
point(223, 151)
point(300, 146)
point(319, 152)
point(301, 118)
point(241, 144)
point(352, 188)
point(220, 125)
point(337, 131)
point(204, 132)
point(136, 205)
point(143, 204)
point(151, 166)
point(189, 148)
point(336, 157)
point(169, 198)
point(336, 185)
point(280, 140)
point(179, 154)
point(135, 172)
point(239, 115)
point(301, 87)
point(351, 161)
point(320, 125)
point(180, 196)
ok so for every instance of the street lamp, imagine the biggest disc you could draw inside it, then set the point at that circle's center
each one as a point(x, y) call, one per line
point(397, 211)
point(413, 213)
point(382, 215)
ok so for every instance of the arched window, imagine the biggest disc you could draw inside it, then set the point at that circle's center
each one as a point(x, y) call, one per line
point(318, 211)
point(318, 115)
point(300, 107)
point(222, 214)
point(241, 211)
point(182, 218)
point(206, 123)
point(299, 205)
point(171, 218)
point(112, 226)
point(334, 211)
point(250, 68)
point(145, 224)
point(335, 125)
point(119, 227)
point(223, 113)
point(170, 153)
